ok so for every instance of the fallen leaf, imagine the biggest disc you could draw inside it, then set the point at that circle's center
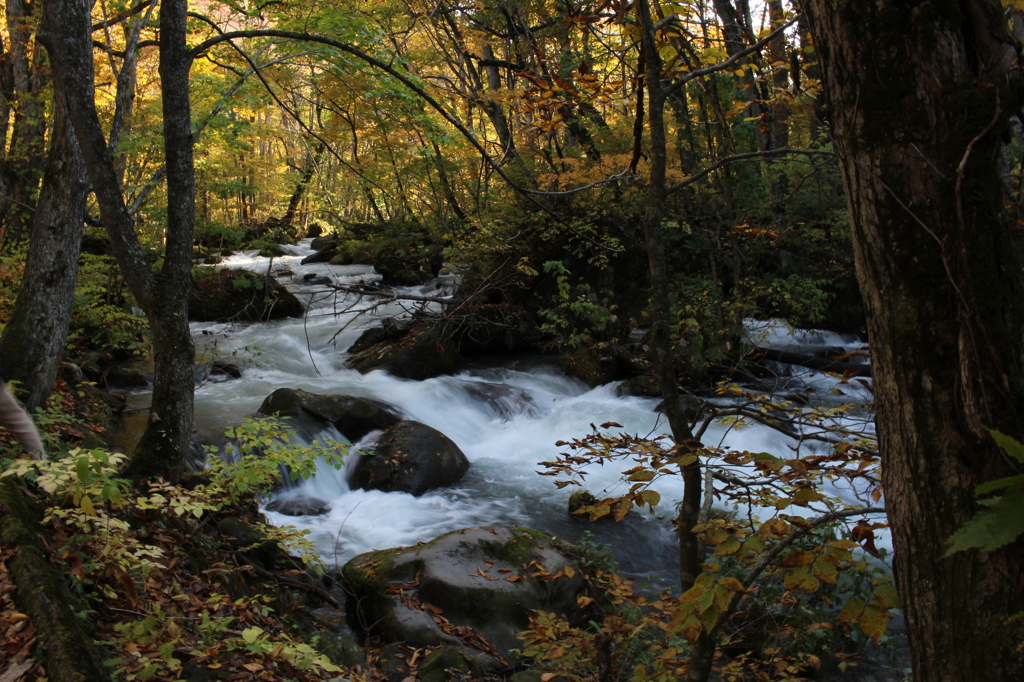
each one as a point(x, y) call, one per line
point(16, 672)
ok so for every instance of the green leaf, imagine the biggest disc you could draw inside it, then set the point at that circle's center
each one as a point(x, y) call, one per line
point(650, 497)
point(851, 610)
point(250, 635)
point(999, 484)
point(887, 596)
point(1012, 447)
point(994, 527)
point(873, 621)
point(82, 469)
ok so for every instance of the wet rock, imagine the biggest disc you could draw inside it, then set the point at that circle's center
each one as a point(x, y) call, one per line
point(324, 255)
point(410, 457)
point(226, 369)
point(436, 664)
point(124, 377)
point(227, 295)
point(418, 355)
point(389, 330)
point(96, 243)
point(495, 329)
point(352, 253)
point(503, 400)
point(320, 242)
point(243, 537)
point(589, 366)
point(298, 505)
point(643, 386)
point(485, 579)
point(71, 373)
point(311, 278)
point(353, 416)
point(272, 250)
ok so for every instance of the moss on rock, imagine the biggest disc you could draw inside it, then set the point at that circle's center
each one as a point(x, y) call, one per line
point(484, 579)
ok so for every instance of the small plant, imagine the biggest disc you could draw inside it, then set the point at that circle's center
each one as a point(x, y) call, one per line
point(261, 449)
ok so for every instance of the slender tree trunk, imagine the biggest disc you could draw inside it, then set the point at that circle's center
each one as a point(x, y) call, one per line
point(161, 451)
point(24, 162)
point(302, 186)
point(34, 338)
point(690, 553)
point(919, 94)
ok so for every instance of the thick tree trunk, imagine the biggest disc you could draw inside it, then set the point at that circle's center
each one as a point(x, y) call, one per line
point(34, 339)
point(919, 94)
point(163, 295)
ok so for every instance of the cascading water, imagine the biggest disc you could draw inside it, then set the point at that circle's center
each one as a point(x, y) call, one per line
point(505, 416)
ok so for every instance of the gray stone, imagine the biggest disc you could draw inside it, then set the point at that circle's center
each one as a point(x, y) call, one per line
point(353, 416)
point(298, 505)
point(481, 583)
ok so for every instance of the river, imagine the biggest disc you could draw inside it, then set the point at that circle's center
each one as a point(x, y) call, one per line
point(532, 406)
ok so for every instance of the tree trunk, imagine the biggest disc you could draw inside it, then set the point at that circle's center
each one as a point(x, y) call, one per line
point(690, 548)
point(312, 164)
point(163, 295)
point(24, 162)
point(919, 94)
point(162, 450)
point(34, 339)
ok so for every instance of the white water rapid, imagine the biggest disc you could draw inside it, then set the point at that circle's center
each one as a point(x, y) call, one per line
point(504, 438)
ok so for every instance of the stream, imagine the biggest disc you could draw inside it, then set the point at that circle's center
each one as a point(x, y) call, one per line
point(505, 414)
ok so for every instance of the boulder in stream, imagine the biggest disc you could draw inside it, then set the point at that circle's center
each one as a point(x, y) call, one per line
point(298, 505)
point(353, 416)
point(472, 588)
point(228, 295)
point(324, 255)
point(418, 355)
point(410, 457)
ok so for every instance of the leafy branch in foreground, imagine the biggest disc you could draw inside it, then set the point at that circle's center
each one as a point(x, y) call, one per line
point(787, 578)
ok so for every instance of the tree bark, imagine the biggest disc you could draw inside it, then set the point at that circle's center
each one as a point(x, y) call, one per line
point(24, 161)
point(34, 338)
point(661, 342)
point(312, 165)
point(919, 94)
point(162, 450)
point(162, 295)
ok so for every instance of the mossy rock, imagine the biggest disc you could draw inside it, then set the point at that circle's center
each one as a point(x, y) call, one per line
point(492, 329)
point(581, 498)
point(410, 457)
point(320, 242)
point(588, 366)
point(390, 329)
point(324, 255)
point(419, 355)
point(437, 663)
point(643, 386)
point(536, 676)
point(353, 252)
point(485, 579)
point(226, 295)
